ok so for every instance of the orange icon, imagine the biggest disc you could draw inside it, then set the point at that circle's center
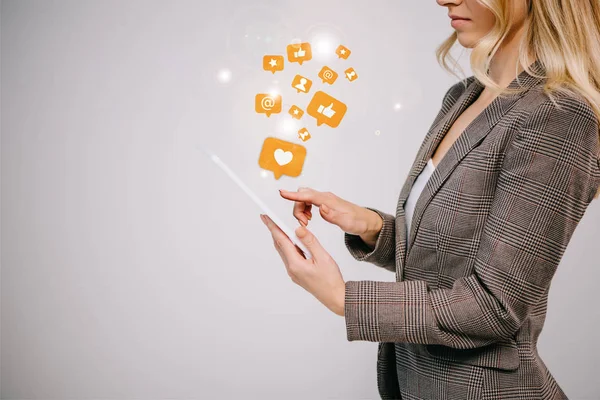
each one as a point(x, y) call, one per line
point(351, 74)
point(301, 84)
point(328, 75)
point(326, 109)
point(265, 103)
point(299, 52)
point(273, 63)
point(303, 134)
point(343, 52)
point(282, 157)
point(296, 112)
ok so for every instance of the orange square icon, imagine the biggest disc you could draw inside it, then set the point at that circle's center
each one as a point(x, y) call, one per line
point(301, 84)
point(351, 74)
point(296, 112)
point(282, 157)
point(265, 103)
point(343, 52)
point(273, 63)
point(299, 52)
point(303, 134)
point(326, 109)
point(328, 75)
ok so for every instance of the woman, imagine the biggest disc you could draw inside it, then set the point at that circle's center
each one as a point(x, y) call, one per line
point(491, 201)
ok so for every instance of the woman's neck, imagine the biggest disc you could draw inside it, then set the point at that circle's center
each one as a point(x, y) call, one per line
point(502, 66)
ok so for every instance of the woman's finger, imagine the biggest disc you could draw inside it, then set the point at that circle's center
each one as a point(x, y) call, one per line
point(274, 228)
point(285, 244)
point(307, 205)
point(312, 243)
point(300, 212)
point(306, 195)
point(281, 253)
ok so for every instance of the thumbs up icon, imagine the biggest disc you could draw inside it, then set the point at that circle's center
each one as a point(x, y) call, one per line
point(326, 111)
point(299, 52)
point(331, 114)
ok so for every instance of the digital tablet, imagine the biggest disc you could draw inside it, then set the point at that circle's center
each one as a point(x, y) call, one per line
point(257, 200)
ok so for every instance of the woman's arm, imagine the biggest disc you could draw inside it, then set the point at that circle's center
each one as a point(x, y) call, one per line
point(549, 176)
point(375, 225)
point(378, 245)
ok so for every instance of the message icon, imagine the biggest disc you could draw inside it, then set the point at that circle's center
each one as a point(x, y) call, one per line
point(326, 109)
point(328, 75)
point(299, 52)
point(351, 74)
point(296, 112)
point(282, 157)
point(301, 84)
point(268, 104)
point(343, 52)
point(303, 134)
point(273, 63)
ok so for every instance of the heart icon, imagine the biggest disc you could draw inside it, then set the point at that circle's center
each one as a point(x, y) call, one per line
point(283, 157)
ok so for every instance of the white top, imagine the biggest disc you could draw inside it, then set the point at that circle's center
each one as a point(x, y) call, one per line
point(415, 192)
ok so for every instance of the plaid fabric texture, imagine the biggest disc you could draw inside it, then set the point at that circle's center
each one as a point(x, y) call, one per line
point(463, 317)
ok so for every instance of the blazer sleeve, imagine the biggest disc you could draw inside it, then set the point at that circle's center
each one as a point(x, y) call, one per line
point(384, 253)
point(548, 178)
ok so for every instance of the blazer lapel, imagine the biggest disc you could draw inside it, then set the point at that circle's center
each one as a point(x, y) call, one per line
point(474, 133)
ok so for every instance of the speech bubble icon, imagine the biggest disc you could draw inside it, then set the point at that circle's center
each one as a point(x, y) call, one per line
point(299, 52)
point(343, 52)
point(296, 112)
point(273, 63)
point(301, 84)
point(328, 75)
point(304, 135)
point(265, 103)
point(351, 74)
point(282, 157)
point(326, 109)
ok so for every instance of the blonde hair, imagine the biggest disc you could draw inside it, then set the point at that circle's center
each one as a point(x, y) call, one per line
point(563, 35)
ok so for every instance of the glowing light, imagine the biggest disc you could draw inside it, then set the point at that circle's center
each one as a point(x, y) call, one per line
point(397, 106)
point(377, 132)
point(274, 92)
point(324, 45)
point(324, 39)
point(264, 173)
point(288, 126)
point(224, 75)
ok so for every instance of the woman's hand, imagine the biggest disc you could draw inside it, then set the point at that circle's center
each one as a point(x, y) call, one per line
point(349, 217)
point(319, 275)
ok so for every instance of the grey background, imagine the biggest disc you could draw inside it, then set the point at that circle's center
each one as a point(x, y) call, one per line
point(133, 268)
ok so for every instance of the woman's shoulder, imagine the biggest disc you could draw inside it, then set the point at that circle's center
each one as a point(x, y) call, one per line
point(563, 103)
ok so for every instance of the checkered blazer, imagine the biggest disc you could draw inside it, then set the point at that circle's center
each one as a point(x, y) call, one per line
point(489, 229)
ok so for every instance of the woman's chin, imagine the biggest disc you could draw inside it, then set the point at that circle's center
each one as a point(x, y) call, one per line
point(465, 40)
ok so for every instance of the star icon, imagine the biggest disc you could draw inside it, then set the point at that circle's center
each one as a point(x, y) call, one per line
point(343, 51)
point(273, 62)
point(296, 112)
